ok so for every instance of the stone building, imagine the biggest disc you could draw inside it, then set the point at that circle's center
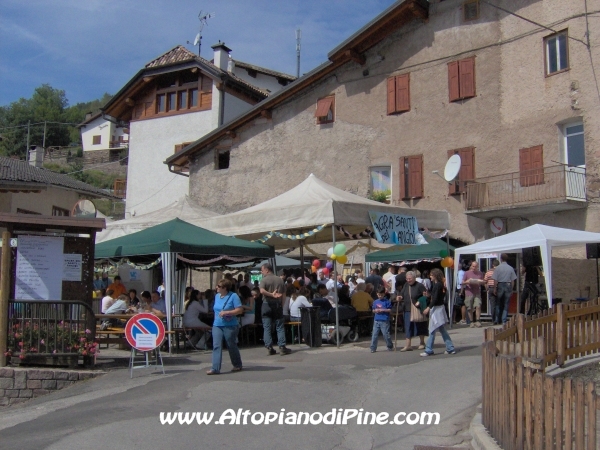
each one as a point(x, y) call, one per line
point(509, 86)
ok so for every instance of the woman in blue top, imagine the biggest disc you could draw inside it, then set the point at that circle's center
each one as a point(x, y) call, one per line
point(227, 307)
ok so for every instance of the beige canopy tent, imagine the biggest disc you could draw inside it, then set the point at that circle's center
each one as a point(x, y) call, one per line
point(185, 209)
point(307, 208)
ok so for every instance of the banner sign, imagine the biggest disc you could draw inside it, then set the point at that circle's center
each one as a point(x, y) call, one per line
point(396, 229)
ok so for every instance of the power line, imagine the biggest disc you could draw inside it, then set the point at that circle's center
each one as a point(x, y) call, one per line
point(38, 123)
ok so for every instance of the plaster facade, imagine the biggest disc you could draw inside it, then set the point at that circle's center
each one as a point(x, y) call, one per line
point(40, 203)
point(107, 131)
point(516, 106)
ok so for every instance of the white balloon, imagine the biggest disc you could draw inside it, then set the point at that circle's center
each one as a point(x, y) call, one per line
point(330, 252)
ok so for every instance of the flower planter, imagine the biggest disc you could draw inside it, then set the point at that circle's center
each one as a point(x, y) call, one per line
point(32, 359)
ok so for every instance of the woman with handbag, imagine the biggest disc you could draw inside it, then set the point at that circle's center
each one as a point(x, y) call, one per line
point(437, 314)
point(227, 306)
point(415, 322)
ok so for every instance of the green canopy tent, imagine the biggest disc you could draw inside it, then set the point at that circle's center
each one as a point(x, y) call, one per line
point(192, 244)
point(409, 252)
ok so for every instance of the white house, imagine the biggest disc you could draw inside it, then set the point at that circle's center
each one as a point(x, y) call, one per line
point(169, 103)
point(99, 134)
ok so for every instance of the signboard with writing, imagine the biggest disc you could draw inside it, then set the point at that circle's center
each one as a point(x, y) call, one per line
point(395, 229)
point(144, 332)
point(71, 267)
point(39, 270)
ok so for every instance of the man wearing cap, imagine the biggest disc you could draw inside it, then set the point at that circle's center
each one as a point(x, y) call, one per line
point(504, 277)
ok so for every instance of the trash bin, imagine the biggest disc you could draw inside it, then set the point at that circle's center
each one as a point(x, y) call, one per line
point(311, 326)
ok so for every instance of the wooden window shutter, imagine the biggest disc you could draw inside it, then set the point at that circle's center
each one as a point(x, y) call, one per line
point(178, 148)
point(466, 69)
point(391, 95)
point(415, 170)
point(403, 93)
point(531, 165)
point(453, 81)
point(467, 167)
point(323, 107)
point(402, 177)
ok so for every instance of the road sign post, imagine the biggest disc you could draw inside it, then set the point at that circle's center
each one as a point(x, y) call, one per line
point(145, 332)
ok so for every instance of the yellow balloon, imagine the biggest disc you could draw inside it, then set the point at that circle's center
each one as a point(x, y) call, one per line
point(342, 259)
point(333, 256)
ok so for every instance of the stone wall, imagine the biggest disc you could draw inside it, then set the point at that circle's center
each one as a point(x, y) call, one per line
point(18, 385)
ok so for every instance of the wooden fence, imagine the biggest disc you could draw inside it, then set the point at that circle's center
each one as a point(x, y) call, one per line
point(553, 336)
point(522, 406)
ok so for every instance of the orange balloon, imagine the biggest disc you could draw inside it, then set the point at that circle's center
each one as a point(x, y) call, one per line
point(313, 269)
point(447, 262)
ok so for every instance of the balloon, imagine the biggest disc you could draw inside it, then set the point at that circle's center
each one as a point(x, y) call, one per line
point(330, 252)
point(328, 266)
point(316, 263)
point(313, 269)
point(326, 270)
point(339, 249)
point(443, 253)
point(447, 262)
point(342, 259)
point(333, 256)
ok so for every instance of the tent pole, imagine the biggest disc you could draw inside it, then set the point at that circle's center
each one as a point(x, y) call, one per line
point(302, 256)
point(337, 318)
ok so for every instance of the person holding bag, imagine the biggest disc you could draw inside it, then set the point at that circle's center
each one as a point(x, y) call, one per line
point(227, 306)
point(437, 315)
point(415, 322)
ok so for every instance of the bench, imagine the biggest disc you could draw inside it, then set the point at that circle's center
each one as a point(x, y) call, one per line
point(292, 325)
point(181, 332)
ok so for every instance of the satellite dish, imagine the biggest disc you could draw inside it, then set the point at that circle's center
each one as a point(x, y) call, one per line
point(452, 168)
point(197, 39)
point(84, 208)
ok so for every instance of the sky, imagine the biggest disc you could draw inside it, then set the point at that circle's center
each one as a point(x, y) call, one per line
point(89, 47)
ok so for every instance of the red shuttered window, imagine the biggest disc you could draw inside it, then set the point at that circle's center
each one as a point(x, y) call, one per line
point(325, 110)
point(411, 176)
point(467, 169)
point(531, 165)
point(398, 94)
point(461, 79)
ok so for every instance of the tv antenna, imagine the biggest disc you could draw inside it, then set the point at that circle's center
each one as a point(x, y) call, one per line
point(203, 21)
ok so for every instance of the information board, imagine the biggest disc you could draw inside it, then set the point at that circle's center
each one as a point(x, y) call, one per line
point(39, 270)
point(71, 267)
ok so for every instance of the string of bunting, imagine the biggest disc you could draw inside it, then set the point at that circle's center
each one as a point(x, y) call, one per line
point(367, 233)
point(350, 250)
point(294, 237)
point(128, 262)
point(218, 258)
point(285, 252)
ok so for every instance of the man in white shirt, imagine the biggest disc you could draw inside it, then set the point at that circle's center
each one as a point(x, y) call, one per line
point(390, 279)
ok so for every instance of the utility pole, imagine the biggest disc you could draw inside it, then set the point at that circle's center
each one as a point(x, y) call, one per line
point(298, 38)
point(27, 149)
point(44, 140)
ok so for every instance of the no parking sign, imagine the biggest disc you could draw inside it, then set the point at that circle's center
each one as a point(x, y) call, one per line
point(144, 332)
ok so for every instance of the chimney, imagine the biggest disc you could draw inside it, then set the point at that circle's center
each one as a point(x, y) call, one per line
point(221, 57)
point(36, 156)
point(88, 115)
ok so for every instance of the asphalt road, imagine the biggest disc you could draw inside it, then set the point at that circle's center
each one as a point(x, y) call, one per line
point(114, 411)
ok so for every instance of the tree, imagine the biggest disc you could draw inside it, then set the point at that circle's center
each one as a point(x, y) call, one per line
point(46, 105)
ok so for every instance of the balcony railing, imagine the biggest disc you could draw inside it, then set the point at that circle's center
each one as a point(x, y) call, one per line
point(118, 144)
point(537, 186)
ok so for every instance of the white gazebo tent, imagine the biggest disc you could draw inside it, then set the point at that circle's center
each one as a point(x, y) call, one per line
point(541, 236)
point(184, 208)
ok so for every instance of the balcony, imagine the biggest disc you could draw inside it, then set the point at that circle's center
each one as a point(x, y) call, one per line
point(538, 191)
point(118, 144)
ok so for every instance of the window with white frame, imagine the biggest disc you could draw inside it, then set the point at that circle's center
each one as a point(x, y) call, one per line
point(574, 144)
point(557, 52)
point(381, 180)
